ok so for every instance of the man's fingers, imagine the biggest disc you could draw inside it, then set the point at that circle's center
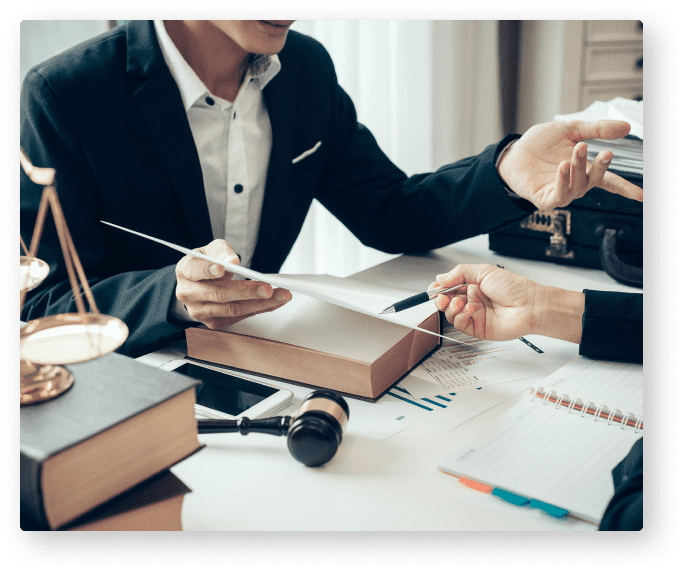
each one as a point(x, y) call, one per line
point(208, 311)
point(464, 273)
point(562, 184)
point(577, 172)
point(604, 129)
point(597, 170)
point(617, 185)
point(225, 291)
point(221, 250)
point(194, 269)
point(461, 320)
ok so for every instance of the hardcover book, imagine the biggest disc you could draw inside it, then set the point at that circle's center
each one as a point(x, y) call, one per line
point(315, 343)
point(154, 505)
point(119, 424)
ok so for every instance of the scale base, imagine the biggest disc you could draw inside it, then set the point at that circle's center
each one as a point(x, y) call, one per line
point(42, 382)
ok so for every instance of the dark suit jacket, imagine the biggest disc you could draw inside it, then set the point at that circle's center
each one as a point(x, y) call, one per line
point(612, 326)
point(613, 329)
point(108, 116)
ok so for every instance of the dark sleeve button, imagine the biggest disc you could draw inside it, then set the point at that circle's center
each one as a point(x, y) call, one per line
point(210, 101)
point(238, 188)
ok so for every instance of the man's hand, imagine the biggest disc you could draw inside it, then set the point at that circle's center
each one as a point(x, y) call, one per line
point(213, 298)
point(548, 165)
point(496, 304)
point(499, 305)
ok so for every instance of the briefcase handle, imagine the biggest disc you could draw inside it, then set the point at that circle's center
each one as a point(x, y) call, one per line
point(616, 268)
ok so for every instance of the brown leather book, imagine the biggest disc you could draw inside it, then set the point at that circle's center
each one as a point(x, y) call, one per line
point(320, 344)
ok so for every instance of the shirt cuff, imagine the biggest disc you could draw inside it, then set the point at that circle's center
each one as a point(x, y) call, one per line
point(500, 155)
point(179, 311)
point(521, 203)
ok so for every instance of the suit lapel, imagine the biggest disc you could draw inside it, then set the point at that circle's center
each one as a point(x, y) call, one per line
point(280, 98)
point(162, 108)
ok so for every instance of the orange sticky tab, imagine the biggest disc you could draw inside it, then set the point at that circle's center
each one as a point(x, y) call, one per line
point(476, 486)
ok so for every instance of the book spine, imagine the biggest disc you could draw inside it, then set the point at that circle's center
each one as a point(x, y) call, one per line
point(30, 492)
point(628, 420)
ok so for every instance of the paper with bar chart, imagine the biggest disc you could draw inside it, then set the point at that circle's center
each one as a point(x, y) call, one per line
point(475, 363)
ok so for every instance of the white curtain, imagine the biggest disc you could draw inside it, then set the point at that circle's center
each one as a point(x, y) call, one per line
point(427, 90)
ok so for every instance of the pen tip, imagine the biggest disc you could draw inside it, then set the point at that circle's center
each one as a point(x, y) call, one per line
point(387, 310)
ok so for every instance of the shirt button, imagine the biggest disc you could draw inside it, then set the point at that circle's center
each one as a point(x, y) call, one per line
point(238, 188)
point(209, 101)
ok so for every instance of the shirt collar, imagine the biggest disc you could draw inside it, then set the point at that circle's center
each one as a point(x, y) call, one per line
point(262, 68)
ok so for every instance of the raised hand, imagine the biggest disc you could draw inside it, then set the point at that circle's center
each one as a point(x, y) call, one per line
point(548, 165)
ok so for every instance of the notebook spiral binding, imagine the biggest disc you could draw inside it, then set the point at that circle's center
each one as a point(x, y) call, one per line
point(589, 409)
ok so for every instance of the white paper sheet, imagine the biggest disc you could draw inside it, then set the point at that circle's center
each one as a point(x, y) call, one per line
point(368, 300)
point(446, 410)
point(477, 363)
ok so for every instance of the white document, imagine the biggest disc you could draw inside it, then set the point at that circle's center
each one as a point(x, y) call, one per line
point(474, 363)
point(357, 296)
point(321, 326)
point(447, 410)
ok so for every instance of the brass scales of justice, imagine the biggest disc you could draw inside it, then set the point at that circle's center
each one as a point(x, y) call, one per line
point(48, 343)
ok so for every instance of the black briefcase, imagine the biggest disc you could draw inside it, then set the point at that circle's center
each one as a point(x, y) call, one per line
point(601, 230)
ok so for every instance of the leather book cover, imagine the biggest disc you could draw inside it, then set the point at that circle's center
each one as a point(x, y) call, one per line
point(107, 392)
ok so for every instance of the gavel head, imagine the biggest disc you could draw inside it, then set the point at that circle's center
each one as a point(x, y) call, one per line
point(316, 432)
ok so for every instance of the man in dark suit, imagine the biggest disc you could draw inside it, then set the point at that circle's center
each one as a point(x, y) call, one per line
point(217, 135)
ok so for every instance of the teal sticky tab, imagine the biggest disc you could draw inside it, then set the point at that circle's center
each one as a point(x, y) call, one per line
point(510, 497)
point(552, 510)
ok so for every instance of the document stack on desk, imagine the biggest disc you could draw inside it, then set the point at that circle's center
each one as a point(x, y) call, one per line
point(120, 424)
point(554, 450)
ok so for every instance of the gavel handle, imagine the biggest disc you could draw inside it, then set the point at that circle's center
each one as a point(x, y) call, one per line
point(277, 425)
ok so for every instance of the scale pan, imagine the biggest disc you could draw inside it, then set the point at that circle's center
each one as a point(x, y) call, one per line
point(32, 271)
point(70, 338)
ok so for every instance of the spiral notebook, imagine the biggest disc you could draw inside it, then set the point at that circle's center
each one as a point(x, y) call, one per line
point(559, 445)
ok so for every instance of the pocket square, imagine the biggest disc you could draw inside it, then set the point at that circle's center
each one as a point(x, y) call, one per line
point(308, 152)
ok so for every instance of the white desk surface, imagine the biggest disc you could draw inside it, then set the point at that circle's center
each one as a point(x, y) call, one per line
point(253, 484)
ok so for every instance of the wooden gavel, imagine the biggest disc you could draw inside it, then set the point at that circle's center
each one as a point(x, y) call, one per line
point(313, 434)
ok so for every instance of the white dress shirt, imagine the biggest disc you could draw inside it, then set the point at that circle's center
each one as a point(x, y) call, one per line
point(233, 141)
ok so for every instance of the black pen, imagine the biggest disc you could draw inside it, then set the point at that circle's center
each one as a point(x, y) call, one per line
point(419, 298)
point(423, 297)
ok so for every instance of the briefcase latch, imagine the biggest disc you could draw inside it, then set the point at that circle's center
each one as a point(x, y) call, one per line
point(558, 224)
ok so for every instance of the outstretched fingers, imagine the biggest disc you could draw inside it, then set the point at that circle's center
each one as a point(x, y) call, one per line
point(617, 185)
point(604, 129)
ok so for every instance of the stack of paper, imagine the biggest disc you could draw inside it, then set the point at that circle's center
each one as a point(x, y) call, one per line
point(628, 152)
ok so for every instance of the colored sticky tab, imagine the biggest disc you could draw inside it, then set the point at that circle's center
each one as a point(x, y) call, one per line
point(510, 497)
point(476, 485)
point(552, 510)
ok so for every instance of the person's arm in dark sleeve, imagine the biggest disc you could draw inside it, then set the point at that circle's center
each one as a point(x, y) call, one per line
point(625, 510)
point(396, 214)
point(612, 326)
point(139, 298)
